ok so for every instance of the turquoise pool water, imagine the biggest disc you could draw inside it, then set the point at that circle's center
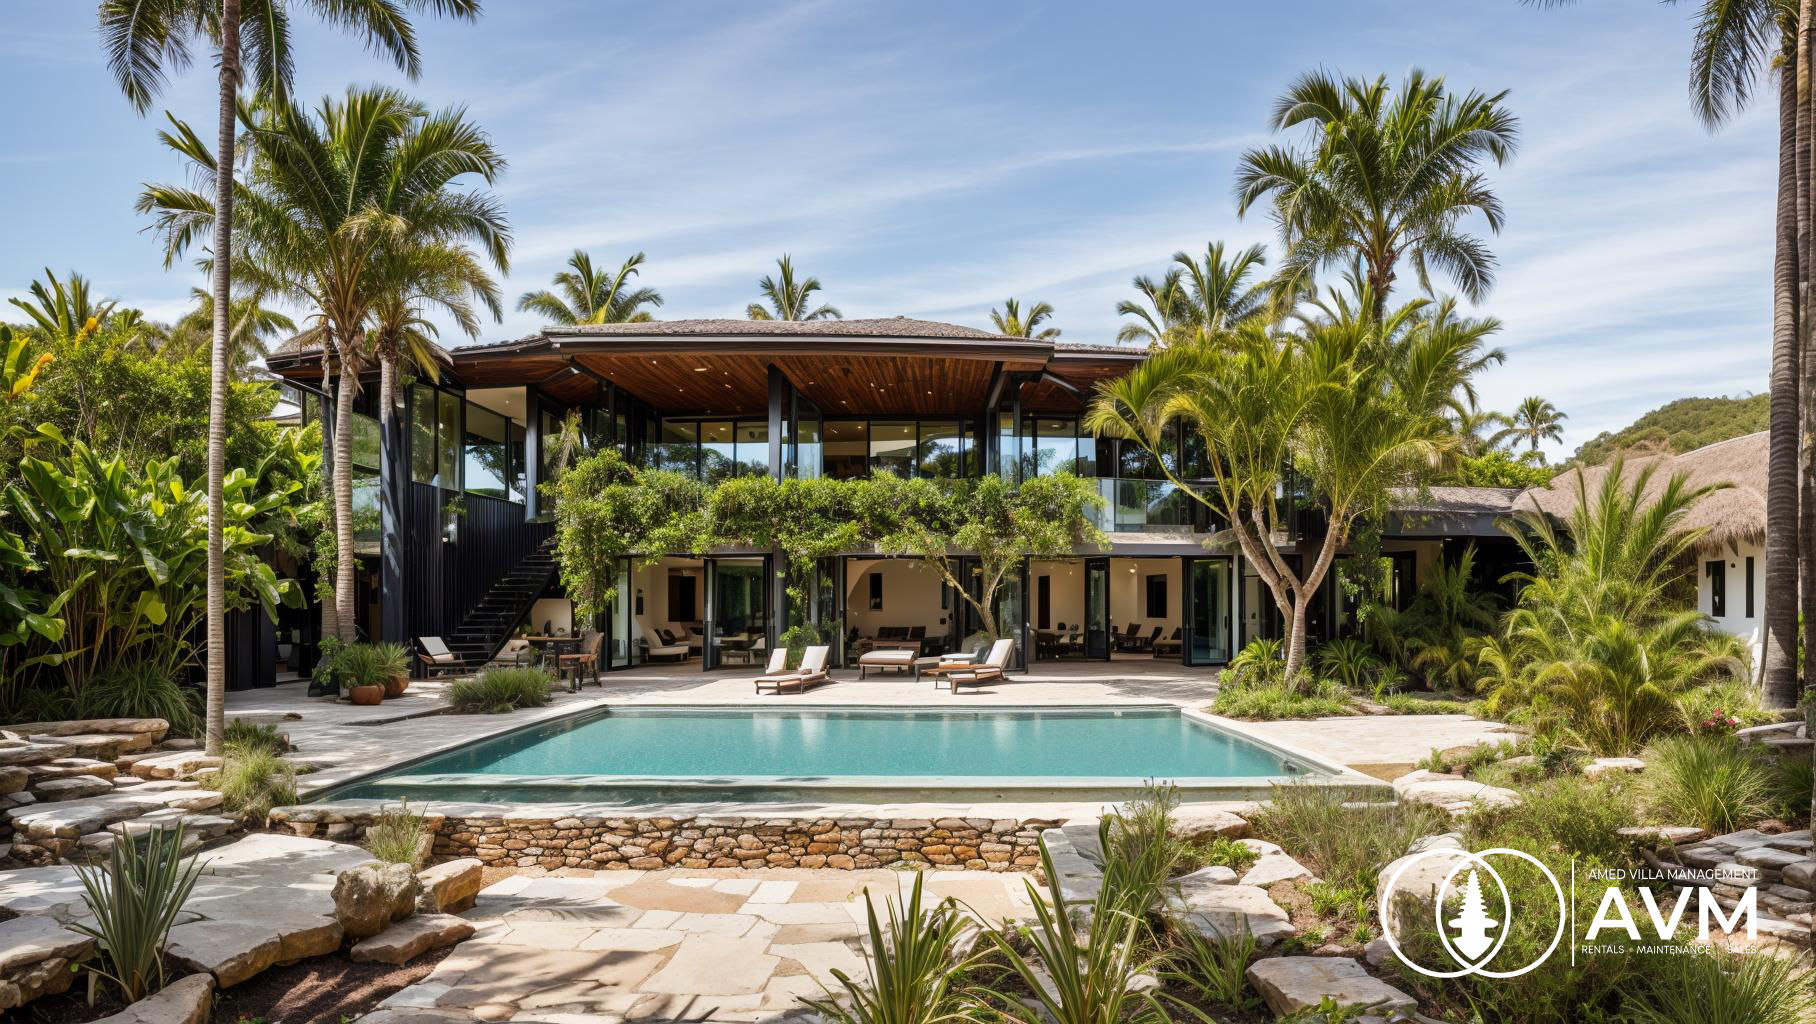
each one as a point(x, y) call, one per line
point(699, 754)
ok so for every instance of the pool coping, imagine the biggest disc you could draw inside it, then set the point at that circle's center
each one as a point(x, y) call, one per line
point(857, 791)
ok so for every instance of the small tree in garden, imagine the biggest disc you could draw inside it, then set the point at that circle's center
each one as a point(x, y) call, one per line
point(806, 519)
point(1350, 405)
point(607, 510)
point(999, 524)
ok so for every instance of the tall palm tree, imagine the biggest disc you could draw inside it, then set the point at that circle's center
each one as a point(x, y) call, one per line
point(63, 310)
point(789, 300)
point(1009, 320)
point(1219, 289)
point(1384, 175)
point(1167, 313)
point(1471, 422)
point(588, 296)
point(1533, 421)
point(331, 200)
point(147, 40)
point(252, 326)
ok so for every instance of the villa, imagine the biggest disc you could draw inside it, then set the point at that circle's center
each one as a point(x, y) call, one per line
point(467, 557)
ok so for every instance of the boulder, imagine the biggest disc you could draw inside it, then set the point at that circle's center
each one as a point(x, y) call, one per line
point(449, 888)
point(30, 752)
point(1224, 912)
point(411, 937)
point(1425, 867)
point(64, 767)
point(1612, 765)
point(1675, 835)
point(188, 1000)
point(33, 939)
point(1214, 874)
point(174, 765)
point(1079, 879)
point(1273, 865)
point(157, 727)
point(13, 778)
point(71, 787)
point(1452, 793)
point(1191, 823)
point(232, 951)
point(1294, 983)
point(107, 745)
point(371, 896)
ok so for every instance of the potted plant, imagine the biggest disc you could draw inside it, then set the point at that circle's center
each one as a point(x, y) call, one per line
point(324, 678)
point(394, 667)
point(362, 669)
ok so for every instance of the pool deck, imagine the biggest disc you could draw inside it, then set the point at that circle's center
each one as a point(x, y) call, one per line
point(346, 742)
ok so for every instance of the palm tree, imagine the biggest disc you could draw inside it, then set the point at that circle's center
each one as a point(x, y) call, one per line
point(1534, 420)
point(252, 326)
point(1009, 320)
point(590, 297)
point(64, 310)
point(332, 203)
point(789, 300)
point(145, 41)
point(1384, 175)
point(1167, 313)
point(1218, 289)
point(1471, 421)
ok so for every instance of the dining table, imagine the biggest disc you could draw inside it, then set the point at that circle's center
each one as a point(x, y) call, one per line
point(549, 649)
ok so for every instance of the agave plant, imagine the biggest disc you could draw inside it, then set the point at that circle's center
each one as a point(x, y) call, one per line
point(911, 967)
point(135, 898)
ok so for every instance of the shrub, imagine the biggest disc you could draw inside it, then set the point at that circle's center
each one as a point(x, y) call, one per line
point(135, 898)
point(499, 690)
point(253, 781)
point(1259, 663)
point(1274, 700)
point(244, 736)
point(1731, 702)
point(1344, 844)
point(397, 836)
point(1716, 782)
point(1214, 970)
point(1349, 662)
point(1716, 987)
point(138, 689)
point(1221, 851)
point(391, 660)
point(361, 665)
point(1569, 814)
point(1791, 782)
point(1139, 853)
point(1407, 704)
point(910, 967)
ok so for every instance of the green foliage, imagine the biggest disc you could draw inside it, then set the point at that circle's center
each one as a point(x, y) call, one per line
point(253, 780)
point(1498, 467)
point(1681, 426)
point(1214, 970)
point(393, 660)
point(1277, 702)
point(499, 690)
point(1716, 987)
point(134, 899)
point(362, 665)
point(1436, 637)
point(1139, 854)
point(1568, 814)
point(1344, 844)
point(248, 736)
point(1222, 851)
point(1407, 704)
point(607, 510)
point(1715, 782)
point(1348, 661)
point(396, 836)
point(911, 965)
point(133, 688)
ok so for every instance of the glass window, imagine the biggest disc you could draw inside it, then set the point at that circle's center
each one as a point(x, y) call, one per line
point(365, 509)
point(514, 455)
point(807, 455)
point(1055, 446)
point(717, 453)
point(973, 452)
point(365, 441)
point(1134, 462)
point(422, 435)
point(487, 441)
point(753, 447)
point(1087, 452)
point(892, 448)
point(549, 442)
point(447, 440)
point(941, 452)
point(847, 449)
point(1007, 451)
point(679, 448)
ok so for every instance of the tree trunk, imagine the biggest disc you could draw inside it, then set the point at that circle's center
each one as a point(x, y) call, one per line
point(221, 286)
point(1780, 674)
point(1295, 641)
point(343, 496)
point(1806, 243)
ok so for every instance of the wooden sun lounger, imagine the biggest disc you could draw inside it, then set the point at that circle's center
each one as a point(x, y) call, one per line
point(811, 673)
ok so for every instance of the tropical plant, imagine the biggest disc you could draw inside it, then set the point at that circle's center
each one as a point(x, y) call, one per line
point(498, 691)
point(790, 299)
point(396, 835)
point(1384, 175)
point(252, 326)
point(146, 40)
point(245, 736)
point(1213, 969)
point(1348, 661)
point(134, 900)
point(1532, 421)
point(1010, 321)
point(253, 780)
point(1166, 314)
point(1218, 290)
point(607, 510)
point(911, 966)
point(135, 688)
point(1500, 468)
point(588, 296)
point(1074, 978)
point(1356, 405)
point(1139, 853)
point(1714, 986)
point(1713, 782)
point(65, 312)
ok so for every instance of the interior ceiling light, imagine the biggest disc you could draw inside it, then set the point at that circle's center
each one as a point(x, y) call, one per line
point(699, 369)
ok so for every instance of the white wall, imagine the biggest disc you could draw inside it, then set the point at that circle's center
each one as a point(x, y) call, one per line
point(1066, 598)
point(652, 580)
point(1129, 593)
point(1736, 621)
point(911, 596)
point(558, 612)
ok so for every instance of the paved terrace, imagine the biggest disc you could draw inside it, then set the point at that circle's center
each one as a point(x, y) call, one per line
point(346, 741)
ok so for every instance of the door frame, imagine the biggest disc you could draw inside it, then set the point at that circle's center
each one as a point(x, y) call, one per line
point(1097, 639)
point(709, 579)
point(1188, 606)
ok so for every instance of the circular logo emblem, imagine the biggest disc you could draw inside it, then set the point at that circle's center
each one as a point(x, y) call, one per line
point(1472, 935)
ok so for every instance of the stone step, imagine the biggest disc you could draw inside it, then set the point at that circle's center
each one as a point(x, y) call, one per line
point(174, 765)
point(203, 826)
point(30, 752)
point(99, 845)
point(72, 787)
point(105, 745)
point(76, 818)
point(1293, 984)
point(411, 937)
point(156, 726)
point(63, 767)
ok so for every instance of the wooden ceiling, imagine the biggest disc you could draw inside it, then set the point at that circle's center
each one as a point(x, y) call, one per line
point(891, 385)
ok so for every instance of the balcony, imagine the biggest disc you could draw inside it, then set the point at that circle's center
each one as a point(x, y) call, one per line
point(1137, 506)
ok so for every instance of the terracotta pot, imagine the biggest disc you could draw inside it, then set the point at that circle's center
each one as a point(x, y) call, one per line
point(372, 694)
point(395, 686)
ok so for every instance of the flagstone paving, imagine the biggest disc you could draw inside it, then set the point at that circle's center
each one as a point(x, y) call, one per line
point(577, 948)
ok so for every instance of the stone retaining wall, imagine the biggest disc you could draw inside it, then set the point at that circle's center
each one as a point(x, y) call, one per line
point(980, 844)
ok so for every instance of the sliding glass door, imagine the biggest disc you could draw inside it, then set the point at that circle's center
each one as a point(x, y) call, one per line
point(737, 612)
point(1210, 587)
point(1097, 609)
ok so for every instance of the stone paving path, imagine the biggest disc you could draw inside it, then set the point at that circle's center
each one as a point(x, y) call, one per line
point(579, 947)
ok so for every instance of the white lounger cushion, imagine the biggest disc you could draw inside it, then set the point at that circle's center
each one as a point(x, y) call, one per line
point(896, 656)
point(668, 651)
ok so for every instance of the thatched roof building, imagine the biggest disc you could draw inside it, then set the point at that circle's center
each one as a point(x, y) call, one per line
point(1731, 516)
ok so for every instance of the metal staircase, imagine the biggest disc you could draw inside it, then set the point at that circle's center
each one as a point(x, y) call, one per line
point(495, 617)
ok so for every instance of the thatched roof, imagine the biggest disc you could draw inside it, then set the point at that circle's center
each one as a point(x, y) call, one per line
point(1732, 515)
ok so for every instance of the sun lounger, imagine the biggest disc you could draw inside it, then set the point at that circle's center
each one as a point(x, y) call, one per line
point(811, 673)
point(436, 658)
point(990, 670)
point(901, 659)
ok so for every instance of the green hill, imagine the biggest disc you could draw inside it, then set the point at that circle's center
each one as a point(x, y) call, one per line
point(1683, 425)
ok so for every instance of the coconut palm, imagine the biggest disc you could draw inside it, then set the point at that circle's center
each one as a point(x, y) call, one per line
point(1471, 422)
point(331, 200)
point(1219, 289)
point(252, 326)
point(1533, 421)
point(1010, 321)
point(788, 299)
point(588, 296)
point(146, 41)
point(1384, 175)
point(1167, 312)
point(63, 310)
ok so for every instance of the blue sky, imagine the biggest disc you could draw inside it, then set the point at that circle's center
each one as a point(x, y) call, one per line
point(930, 159)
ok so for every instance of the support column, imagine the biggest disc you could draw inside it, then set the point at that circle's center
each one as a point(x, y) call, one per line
point(778, 421)
point(393, 470)
point(532, 452)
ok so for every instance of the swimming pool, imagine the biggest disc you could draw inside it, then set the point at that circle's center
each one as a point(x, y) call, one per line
point(694, 754)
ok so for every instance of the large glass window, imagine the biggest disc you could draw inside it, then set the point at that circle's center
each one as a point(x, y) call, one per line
point(1052, 446)
point(753, 447)
point(847, 449)
point(1087, 452)
point(678, 448)
point(1008, 448)
point(487, 462)
point(892, 448)
point(941, 450)
point(447, 440)
point(718, 453)
point(422, 435)
point(807, 460)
